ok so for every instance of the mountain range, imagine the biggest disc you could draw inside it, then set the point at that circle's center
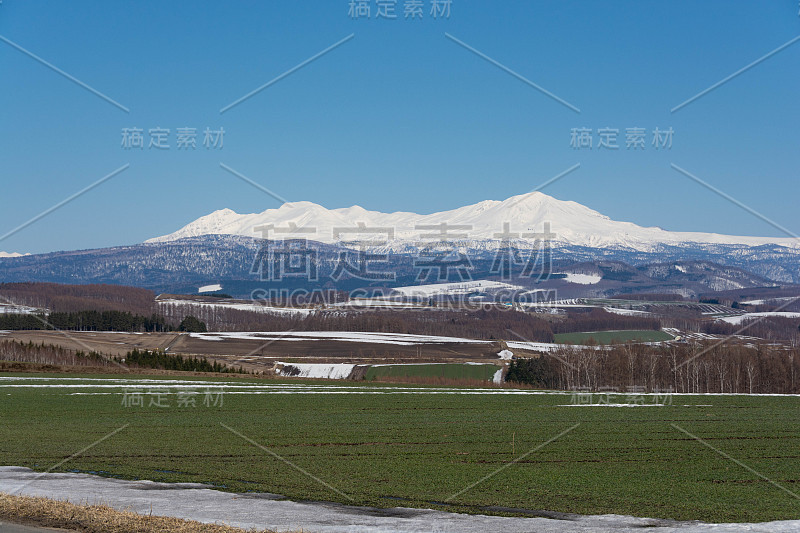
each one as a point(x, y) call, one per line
point(223, 248)
point(570, 222)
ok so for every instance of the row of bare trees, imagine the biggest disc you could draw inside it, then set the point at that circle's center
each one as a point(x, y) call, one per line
point(72, 298)
point(48, 355)
point(687, 368)
point(490, 324)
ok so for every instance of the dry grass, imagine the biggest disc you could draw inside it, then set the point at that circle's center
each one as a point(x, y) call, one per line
point(98, 518)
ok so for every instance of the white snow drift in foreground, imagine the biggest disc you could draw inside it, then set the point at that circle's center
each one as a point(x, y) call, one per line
point(748, 316)
point(199, 502)
point(403, 339)
point(583, 279)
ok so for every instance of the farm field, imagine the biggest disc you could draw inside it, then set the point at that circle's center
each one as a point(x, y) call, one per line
point(452, 371)
point(610, 337)
point(259, 351)
point(397, 445)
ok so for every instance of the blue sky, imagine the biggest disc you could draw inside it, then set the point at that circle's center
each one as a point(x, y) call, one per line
point(399, 117)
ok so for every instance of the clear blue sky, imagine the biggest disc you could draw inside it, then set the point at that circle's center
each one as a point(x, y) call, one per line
point(399, 117)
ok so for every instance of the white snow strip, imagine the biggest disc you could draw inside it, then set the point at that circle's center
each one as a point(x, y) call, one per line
point(201, 503)
point(341, 336)
point(210, 288)
point(762, 302)
point(583, 279)
point(626, 312)
point(498, 376)
point(747, 316)
point(424, 291)
point(325, 371)
point(12, 309)
point(550, 347)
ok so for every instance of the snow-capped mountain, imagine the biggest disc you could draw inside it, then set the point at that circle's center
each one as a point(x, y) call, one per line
point(571, 222)
point(12, 254)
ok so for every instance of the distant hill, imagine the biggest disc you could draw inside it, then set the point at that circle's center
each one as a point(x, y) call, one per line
point(184, 265)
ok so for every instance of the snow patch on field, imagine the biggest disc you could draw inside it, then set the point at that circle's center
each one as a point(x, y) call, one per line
point(324, 371)
point(747, 316)
point(626, 312)
point(403, 339)
point(505, 354)
point(551, 347)
point(210, 288)
point(425, 291)
point(583, 279)
point(762, 302)
point(498, 376)
point(198, 502)
point(12, 309)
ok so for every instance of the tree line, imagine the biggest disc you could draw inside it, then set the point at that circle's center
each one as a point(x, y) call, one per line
point(86, 321)
point(160, 360)
point(49, 354)
point(687, 368)
point(69, 298)
point(488, 324)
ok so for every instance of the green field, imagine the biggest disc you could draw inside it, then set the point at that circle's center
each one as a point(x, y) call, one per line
point(406, 445)
point(451, 371)
point(612, 337)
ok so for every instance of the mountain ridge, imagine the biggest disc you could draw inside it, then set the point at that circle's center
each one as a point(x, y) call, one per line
point(571, 222)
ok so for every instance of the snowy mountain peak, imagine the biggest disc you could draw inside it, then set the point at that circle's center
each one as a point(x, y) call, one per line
point(573, 224)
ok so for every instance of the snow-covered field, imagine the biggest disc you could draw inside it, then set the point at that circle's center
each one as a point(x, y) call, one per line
point(325, 371)
point(626, 312)
point(550, 347)
point(426, 291)
point(748, 316)
point(762, 302)
point(18, 309)
point(341, 336)
point(210, 288)
point(583, 279)
point(122, 386)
